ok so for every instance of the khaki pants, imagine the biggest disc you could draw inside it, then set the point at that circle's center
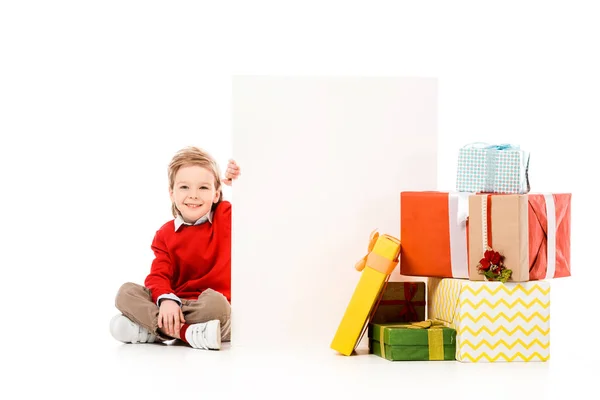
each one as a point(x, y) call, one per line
point(135, 302)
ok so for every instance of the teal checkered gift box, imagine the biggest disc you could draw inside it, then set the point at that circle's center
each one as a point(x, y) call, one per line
point(492, 168)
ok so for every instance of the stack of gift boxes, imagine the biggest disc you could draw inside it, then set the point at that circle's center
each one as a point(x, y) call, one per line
point(488, 252)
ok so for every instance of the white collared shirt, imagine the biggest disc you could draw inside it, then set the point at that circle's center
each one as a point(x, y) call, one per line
point(178, 222)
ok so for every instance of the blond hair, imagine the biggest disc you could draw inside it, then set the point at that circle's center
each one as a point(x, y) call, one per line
point(194, 156)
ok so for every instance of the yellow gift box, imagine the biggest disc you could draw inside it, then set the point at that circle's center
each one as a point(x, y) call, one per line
point(494, 321)
point(376, 267)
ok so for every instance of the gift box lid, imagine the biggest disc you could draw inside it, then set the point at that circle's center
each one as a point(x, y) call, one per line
point(403, 334)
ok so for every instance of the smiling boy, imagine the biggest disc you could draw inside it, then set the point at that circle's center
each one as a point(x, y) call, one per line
point(188, 291)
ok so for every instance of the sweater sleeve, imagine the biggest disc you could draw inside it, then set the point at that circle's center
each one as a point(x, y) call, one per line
point(161, 272)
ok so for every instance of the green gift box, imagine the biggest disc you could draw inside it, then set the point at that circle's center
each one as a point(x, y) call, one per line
point(420, 341)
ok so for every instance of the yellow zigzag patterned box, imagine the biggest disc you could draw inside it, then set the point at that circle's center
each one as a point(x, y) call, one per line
point(494, 321)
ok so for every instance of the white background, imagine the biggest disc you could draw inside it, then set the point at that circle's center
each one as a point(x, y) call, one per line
point(96, 96)
point(351, 145)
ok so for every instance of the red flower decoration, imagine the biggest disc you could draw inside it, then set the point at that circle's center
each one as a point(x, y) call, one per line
point(492, 266)
point(485, 264)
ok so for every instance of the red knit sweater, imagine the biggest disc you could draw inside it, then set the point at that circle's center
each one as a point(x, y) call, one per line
point(193, 259)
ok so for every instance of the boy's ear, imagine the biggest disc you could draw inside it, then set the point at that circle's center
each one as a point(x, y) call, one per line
point(217, 195)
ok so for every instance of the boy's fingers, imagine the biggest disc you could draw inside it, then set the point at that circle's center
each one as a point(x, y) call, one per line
point(176, 326)
point(233, 171)
point(170, 322)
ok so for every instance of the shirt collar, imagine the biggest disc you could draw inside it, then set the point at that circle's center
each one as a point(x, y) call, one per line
point(179, 221)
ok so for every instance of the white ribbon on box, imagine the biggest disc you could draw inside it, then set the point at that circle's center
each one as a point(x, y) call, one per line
point(550, 231)
point(458, 211)
point(551, 234)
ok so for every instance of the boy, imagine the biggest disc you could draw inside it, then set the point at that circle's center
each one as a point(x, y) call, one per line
point(187, 294)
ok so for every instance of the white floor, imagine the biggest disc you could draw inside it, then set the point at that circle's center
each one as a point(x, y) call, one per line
point(61, 353)
point(98, 367)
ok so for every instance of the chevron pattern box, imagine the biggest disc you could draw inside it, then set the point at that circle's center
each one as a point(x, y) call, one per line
point(494, 321)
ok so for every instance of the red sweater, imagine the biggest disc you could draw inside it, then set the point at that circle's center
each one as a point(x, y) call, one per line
point(193, 259)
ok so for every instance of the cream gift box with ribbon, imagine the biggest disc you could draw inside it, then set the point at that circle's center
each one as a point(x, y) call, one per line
point(532, 232)
point(502, 168)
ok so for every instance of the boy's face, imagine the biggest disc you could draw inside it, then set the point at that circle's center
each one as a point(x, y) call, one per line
point(194, 192)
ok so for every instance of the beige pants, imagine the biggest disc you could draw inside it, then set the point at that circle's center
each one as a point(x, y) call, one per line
point(135, 302)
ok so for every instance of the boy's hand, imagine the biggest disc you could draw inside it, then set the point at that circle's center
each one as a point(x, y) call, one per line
point(170, 317)
point(232, 172)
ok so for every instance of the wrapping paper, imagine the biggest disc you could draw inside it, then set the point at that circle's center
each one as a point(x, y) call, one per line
point(492, 168)
point(517, 226)
point(494, 321)
point(434, 234)
point(376, 268)
point(401, 302)
point(395, 342)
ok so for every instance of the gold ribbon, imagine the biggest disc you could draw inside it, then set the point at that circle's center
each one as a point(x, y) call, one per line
point(360, 265)
point(374, 260)
point(435, 336)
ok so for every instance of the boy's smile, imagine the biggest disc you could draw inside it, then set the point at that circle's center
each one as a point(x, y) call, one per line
point(194, 192)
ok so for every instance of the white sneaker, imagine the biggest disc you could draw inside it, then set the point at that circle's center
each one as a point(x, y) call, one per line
point(125, 330)
point(205, 335)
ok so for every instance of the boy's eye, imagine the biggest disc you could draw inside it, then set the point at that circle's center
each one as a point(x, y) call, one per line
point(183, 187)
point(204, 187)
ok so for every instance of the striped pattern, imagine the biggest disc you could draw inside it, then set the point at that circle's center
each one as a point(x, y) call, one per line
point(494, 321)
point(490, 170)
